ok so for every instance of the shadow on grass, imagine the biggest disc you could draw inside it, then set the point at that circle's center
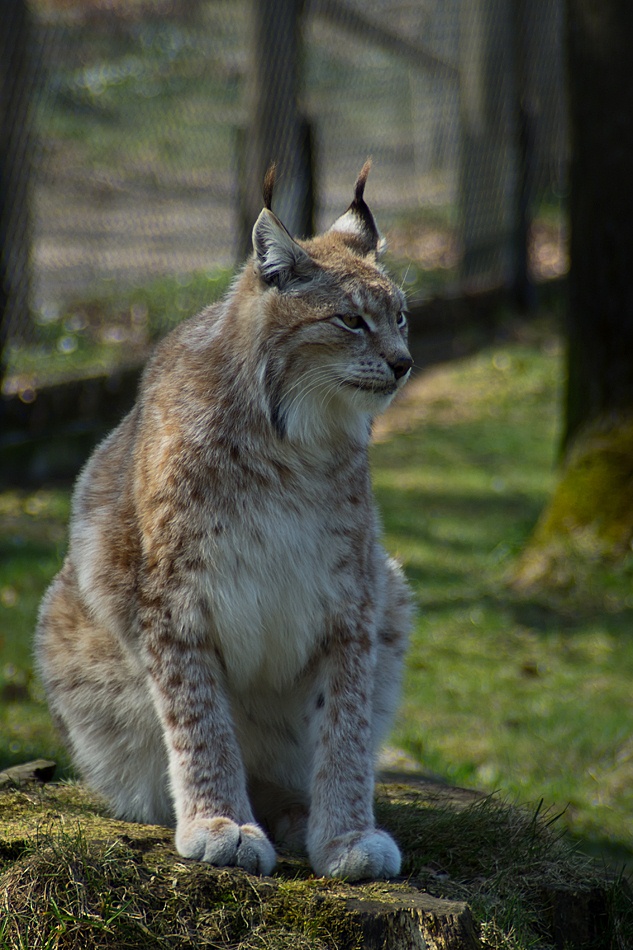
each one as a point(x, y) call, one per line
point(553, 662)
point(470, 524)
point(469, 543)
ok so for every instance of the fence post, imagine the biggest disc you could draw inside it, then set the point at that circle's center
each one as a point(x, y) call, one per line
point(488, 159)
point(16, 85)
point(276, 130)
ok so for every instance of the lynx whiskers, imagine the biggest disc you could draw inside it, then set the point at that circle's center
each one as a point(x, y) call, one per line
point(222, 648)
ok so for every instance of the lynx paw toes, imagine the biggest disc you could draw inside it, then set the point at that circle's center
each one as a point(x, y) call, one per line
point(357, 856)
point(224, 843)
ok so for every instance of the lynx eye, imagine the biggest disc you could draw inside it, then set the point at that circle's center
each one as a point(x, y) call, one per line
point(352, 321)
point(402, 320)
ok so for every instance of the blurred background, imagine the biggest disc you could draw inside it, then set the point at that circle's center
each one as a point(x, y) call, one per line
point(135, 135)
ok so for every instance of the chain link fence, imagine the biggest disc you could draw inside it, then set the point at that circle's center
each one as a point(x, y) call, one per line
point(138, 131)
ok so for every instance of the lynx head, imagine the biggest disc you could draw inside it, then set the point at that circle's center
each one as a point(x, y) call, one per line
point(334, 341)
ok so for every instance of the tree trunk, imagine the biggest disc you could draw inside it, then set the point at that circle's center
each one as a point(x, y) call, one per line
point(600, 327)
point(591, 510)
point(16, 88)
point(488, 155)
point(277, 131)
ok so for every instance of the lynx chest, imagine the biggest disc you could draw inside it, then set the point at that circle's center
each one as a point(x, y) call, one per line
point(277, 574)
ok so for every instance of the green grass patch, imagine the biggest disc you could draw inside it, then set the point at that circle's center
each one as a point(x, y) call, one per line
point(32, 542)
point(149, 104)
point(524, 693)
point(513, 866)
point(114, 88)
point(99, 335)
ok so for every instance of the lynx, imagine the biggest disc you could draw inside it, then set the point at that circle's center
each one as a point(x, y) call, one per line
point(222, 648)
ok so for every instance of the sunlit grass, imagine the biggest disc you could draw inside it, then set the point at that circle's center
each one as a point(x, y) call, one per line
point(526, 694)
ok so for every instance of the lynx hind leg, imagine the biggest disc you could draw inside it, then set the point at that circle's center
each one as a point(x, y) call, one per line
point(393, 635)
point(282, 812)
point(102, 708)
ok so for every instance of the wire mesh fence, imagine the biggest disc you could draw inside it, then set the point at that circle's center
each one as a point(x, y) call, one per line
point(139, 131)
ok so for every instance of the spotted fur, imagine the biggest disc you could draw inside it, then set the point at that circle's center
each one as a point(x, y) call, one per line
point(222, 648)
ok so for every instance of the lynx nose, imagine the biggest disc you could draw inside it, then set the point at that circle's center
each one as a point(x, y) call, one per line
point(401, 366)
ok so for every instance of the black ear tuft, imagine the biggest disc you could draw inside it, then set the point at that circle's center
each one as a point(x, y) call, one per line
point(269, 186)
point(358, 222)
point(361, 181)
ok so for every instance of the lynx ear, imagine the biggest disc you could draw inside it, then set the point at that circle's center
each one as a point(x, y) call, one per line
point(358, 221)
point(280, 261)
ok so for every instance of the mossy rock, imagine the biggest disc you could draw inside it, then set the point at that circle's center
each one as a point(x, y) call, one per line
point(478, 874)
point(590, 513)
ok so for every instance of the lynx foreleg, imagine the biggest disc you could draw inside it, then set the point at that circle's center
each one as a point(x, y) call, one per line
point(342, 838)
point(214, 820)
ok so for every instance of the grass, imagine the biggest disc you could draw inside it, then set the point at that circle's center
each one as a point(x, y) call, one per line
point(96, 336)
point(32, 541)
point(114, 85)
point(511, 865)
point(524, 693)
point(149, 105)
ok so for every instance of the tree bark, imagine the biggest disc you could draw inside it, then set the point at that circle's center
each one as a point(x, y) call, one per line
point(277, 131)
point(591, 511)
point(600, 323)
point(488, 155)
point(16, 89)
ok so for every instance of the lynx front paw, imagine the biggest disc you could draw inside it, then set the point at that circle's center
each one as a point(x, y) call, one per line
point(224, 843)
point(357, 855)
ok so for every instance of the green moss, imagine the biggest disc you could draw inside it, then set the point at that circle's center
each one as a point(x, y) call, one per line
point(596, 490)
point(72, 877)
point(509, 863)
point(590, 513)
